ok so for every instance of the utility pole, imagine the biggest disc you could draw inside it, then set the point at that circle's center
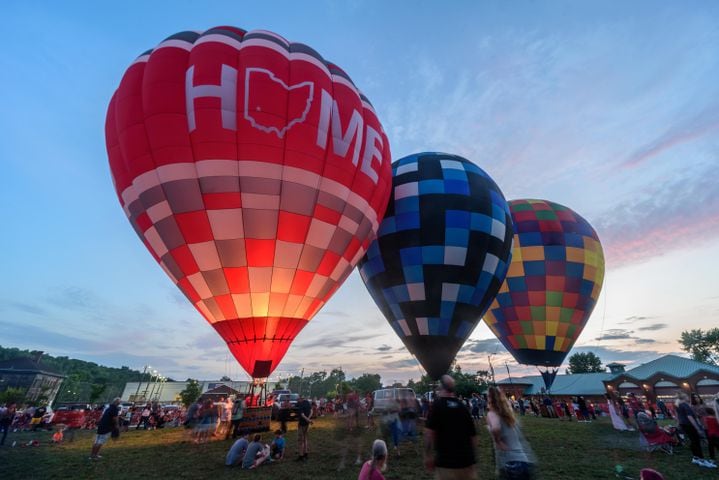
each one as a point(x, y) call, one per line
point(510, 375)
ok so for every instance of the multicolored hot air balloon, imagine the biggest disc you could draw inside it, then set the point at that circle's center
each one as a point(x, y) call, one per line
point(255, 173)
point(552, 284)
point(441, 254)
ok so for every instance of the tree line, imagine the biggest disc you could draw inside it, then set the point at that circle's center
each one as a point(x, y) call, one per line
point(84, 381)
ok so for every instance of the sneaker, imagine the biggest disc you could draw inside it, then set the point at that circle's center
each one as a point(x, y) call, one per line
point(703, 463)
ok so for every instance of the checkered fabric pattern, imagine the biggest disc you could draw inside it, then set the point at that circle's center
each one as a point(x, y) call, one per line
point(441, 254)
point(228, 167)
point(552, 284)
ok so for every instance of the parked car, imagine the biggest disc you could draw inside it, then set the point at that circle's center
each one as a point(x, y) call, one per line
point(388, 399)
point(293, 398)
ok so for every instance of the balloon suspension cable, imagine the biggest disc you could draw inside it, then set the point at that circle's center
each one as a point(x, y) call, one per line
point(548, 375)
point(419, 366)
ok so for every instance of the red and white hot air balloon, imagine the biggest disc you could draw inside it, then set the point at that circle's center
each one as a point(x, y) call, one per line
point(255, 173)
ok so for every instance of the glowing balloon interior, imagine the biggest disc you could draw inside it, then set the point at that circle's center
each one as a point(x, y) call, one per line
point(255, 173)
point(552, 285)
point(441, 254)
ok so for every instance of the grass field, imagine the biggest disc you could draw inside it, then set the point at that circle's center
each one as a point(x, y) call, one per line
point(565, 451)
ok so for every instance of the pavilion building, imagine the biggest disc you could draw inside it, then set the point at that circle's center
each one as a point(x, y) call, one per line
point(665, 377)
point(660, 378)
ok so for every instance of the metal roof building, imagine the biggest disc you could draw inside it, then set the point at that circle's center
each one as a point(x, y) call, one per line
point(589, 385)
point(663, 377)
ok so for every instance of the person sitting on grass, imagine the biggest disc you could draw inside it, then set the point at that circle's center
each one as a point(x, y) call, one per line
point(277, 449)
point(650, 474)
point(257, 453)
point(58, 436)
point(237, 451)
point(372, 469)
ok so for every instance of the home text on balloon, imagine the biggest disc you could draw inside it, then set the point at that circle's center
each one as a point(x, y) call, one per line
point(329, 118)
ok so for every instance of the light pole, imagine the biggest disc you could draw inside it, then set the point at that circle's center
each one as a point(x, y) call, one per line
point(491, 368)
point(144, 371)
point(147, 387)
point(158, 378)
point(162, 387)
point(510, 375)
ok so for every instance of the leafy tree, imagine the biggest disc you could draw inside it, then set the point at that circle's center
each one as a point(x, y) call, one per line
point(703, 346)
point(367, 382)
point(585, 363)
point(225, 378)
point(97, 389)
point(191, 393)
point(12, 395)
point(80, 375)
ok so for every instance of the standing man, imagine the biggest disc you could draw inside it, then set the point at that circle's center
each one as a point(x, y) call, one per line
point(450, 436)
point(7, 415)
point(238, 411)
point(304, 413)
point(105, 427)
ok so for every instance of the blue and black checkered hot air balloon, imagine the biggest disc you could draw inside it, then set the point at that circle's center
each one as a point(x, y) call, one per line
point(441, 254)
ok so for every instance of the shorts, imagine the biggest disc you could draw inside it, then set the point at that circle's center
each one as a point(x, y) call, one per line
point(102, 438)
point(302, 432)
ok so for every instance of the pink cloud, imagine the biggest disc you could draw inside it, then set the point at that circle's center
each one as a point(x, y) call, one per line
point(682, 132)
point(679, 213)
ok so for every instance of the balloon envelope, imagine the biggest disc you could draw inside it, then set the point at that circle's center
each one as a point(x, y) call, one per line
point(255, 173)
point(552, 284)
point(441, 254)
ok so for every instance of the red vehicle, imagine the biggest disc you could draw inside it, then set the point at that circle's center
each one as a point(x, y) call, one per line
point(74, 415)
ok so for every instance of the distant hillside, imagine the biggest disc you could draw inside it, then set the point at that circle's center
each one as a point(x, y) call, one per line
point(86, 381)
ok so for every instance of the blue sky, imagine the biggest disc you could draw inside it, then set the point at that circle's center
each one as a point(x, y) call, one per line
point(611, 108)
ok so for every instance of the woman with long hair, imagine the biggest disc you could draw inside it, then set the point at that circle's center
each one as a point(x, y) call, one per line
point(691, 426)
point(512, 459)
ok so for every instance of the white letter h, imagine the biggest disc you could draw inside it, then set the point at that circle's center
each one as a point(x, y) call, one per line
point(226, 91)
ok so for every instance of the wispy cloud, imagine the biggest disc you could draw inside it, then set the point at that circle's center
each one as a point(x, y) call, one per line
point(686, 130)
point(336, 341)
point(654, 327)
point(28, 308)
point(334, 313)
point(486, 346)
point(384, 348)
point(401, 364)
point(75, 298)
point(663, 217)
point(616, 334)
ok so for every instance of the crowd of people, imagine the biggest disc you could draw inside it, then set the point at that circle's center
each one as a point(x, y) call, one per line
point(450, 426)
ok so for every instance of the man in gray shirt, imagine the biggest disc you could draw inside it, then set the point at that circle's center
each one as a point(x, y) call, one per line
point(237, 451)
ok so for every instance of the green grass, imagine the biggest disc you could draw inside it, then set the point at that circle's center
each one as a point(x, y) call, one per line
point(565, 451)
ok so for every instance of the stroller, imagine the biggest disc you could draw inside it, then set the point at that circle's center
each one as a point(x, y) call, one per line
point(653, 437)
